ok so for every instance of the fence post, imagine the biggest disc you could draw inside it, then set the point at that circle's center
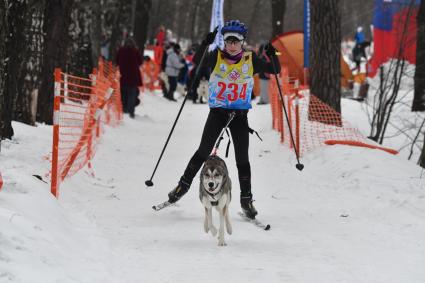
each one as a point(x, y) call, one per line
point(92, 110)
point(55, 145)
point(1, 181)
point(297, 117)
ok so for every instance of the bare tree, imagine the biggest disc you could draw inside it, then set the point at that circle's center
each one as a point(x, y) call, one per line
point(56, 23)
point(419, 97)
point(278, 12)
point(390, 83)
point(325, 51)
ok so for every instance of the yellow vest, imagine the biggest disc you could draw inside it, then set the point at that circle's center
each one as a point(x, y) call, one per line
point(230, 85)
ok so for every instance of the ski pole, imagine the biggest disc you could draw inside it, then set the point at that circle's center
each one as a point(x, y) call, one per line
point(149, 182)
point(299, 166)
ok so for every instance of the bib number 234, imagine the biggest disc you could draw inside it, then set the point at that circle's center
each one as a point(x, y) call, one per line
point(233, 92)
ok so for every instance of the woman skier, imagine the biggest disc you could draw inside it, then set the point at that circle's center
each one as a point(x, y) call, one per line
point(230, 87)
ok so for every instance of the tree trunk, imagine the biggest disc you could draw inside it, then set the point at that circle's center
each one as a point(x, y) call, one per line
point(56, 23)
point(143, 8)
point(325, 52)
point(278, 12)
point(96, 31)
point(6, 130)
point(81, 36)
point(193, 20)
point(15, 53)
point(422, 157)
point(253, 18)
point(31, 58)
point(419, 97)
point(116, 29)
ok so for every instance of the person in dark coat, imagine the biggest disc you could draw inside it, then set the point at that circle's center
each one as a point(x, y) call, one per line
point(264, 77)
point(129, 60)
point(359, 52)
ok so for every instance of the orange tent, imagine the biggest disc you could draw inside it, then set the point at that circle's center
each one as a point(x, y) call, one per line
point(291, 47)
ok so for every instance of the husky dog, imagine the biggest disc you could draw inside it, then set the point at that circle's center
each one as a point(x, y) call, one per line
point(215, 191)
point(203, 91)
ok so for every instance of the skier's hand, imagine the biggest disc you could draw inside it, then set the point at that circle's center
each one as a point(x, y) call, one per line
point(210, 37)
point(270, 50)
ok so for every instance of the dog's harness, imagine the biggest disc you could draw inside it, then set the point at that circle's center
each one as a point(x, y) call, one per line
point(225, 130)
point(231, 116)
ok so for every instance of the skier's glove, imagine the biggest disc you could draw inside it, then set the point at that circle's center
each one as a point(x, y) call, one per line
point(210, 37)
point(270, 50)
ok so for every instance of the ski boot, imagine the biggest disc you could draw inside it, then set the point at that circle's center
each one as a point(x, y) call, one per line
point(248, 207)
point(177, 192)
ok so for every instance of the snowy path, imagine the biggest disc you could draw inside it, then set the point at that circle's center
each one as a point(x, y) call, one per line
point(352, 215)
point(329, 224)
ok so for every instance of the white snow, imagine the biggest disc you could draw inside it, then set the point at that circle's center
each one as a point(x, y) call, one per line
point(352, 215)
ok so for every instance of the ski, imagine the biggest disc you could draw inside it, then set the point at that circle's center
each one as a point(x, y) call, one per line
point(161, 205)
point(256, 222)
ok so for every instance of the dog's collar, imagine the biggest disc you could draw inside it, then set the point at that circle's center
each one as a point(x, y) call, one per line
point(213, 202)
point(212, 195)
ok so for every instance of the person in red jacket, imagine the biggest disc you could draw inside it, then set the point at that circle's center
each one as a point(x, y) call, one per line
point(160, 36)
point(129, 60)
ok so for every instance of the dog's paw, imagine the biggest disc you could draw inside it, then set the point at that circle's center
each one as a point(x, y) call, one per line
point(229, 229)
point(213, 231)
point(221, 243)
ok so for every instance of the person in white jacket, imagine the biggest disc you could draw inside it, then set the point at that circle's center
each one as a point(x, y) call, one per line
point(172, 69)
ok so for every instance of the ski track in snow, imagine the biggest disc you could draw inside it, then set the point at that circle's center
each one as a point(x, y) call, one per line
point(352, 214)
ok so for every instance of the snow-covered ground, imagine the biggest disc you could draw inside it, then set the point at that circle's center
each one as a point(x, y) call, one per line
point(352, 214)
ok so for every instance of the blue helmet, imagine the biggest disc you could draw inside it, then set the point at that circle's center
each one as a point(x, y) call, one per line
point(234, 27)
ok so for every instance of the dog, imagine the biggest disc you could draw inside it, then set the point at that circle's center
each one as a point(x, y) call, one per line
point(203, 91)
point(215, 190)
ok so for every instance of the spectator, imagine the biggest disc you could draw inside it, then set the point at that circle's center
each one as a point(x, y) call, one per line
point(129, 60)
point(264, 77)
point(172, 69)
point(359, 52)
point(149, 73)
point(160, 36)
point(359, 37)
point(359, 71)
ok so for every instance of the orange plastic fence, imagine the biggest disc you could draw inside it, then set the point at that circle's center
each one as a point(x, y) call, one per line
point(81, 107)
point(313, 122)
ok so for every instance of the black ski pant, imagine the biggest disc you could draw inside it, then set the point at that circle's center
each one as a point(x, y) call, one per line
point(129, 96)
point(172, 81)
point(216, 121)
